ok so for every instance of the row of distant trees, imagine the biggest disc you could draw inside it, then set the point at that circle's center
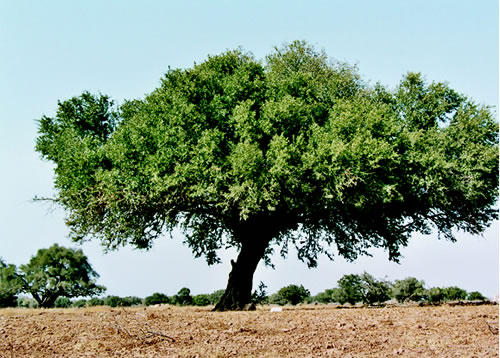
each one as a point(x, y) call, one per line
point(60, 277)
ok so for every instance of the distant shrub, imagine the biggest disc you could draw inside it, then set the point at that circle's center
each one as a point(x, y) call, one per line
point(201, 300)
point(79, 303)
point(113, 301)
point(216, 296)
point(183, 297)
point(293, 294)
point(454, 293)
point(156, 299)
point(408, 289)
point(276, 299)
point(351, 289)
point(476, 296)
point(323, 297)
point(62, 302)
point(10, 285)
point(25, 302)
point(131, 301)
point(374, 291)
point(434, 295)
point(95, 301)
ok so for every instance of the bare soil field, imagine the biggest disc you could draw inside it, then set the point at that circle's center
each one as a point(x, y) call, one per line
point(306, 331)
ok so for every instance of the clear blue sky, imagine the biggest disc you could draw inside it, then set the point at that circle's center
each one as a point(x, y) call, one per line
point(52, 50)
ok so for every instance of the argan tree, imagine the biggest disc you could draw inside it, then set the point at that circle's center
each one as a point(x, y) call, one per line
point(58, 272)
point(293, 150)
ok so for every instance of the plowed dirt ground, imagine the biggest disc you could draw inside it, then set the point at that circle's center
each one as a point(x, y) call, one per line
point(307, 331)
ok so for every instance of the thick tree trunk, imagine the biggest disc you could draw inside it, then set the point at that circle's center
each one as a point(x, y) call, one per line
point(239, 285)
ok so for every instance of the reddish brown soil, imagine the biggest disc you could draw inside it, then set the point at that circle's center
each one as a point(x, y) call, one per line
point(311, 331)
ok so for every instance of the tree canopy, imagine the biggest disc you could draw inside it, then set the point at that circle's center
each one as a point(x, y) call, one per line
point(291, 150)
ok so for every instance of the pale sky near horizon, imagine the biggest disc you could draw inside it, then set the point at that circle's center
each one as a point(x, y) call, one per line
point(54, 50)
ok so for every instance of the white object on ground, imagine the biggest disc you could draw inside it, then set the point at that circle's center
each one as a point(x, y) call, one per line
point(276, 309)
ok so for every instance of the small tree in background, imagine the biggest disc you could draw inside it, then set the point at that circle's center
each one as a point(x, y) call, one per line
point(351, 289)
point(216, 296)
point(95, 301)
point(326, 296)
point(454, 293)
point(183, 297)
point(475, 296)
point(434, 295)
point(113, 301)
point(293, 294)
point(408, 289)
point(81, 303)
point(58, 272)
point(156, 299)
point(62, 302)
point(10, 285)
point(201, 300)
point(374, 291)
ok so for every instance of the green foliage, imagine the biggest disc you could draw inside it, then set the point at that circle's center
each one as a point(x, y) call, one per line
point(26, 302)
point(81, 303)
point(183, 297)
point(454, 293)
point(327, 296)
point(62, 302)
point(475, 295)
point(434, 295)
point(58, 271)
point(156, 299)
point(259, 296)
point(351, 289)
point(409, 289)
point(201, 300)
point(113, 301)
point(295, 140)
point(277, 299)
point(216, 296)
point(10, 285)
point(291, 294)
point(375, 291)
point(295, 149)
point(95, 301)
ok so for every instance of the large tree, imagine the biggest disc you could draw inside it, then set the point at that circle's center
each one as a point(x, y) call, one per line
point(292, 150)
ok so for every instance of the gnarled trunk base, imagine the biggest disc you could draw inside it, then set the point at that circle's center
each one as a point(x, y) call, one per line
point(239, 285)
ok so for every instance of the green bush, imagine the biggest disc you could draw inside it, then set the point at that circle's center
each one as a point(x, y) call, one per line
point(408, 289)
point(324, 297)
point(475, 296)
point(62, 302)
point(131, 301)
point(201, 300)
point(351, 289)
point(113, 301)
point(156, 299)
point(434, 295)
point(25, 302)
point(10, 285)
point(293, 294)
point(183, 297)
point(216, 296)
point(95, 301)
point(276, 299)
point(454, 293)
point(79, 303)
point(374, 291)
